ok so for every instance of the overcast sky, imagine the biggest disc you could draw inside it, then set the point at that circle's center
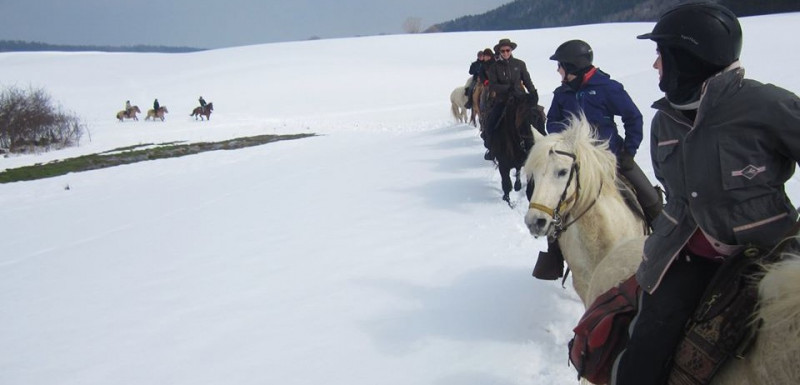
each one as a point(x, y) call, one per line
point(221, 23)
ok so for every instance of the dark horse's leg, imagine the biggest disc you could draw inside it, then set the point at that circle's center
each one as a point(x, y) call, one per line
point(517, 182)
point(505, 176)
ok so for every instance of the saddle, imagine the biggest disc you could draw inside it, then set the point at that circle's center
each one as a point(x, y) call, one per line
point(602, 332)
point(722, 326)
point(628, 192)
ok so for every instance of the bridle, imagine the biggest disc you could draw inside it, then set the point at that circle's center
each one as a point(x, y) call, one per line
point(558, 213)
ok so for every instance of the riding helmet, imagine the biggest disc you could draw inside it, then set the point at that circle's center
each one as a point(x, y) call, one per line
point(707, 30)
point(574, 55)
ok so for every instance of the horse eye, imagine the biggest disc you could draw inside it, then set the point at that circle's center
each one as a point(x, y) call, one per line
point(562, 172)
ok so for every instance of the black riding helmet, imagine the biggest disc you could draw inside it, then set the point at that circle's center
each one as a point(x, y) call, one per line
point(574, 55)
point(707, 30)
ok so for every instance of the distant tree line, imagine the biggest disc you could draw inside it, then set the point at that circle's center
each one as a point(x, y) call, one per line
point(528, 14)
point(28, 46)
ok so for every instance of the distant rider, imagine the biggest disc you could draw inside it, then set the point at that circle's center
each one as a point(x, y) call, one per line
point(474, 70)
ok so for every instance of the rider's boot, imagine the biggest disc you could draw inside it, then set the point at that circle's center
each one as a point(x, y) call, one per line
point(652, 211)
point(550, 264)
point(649, 197)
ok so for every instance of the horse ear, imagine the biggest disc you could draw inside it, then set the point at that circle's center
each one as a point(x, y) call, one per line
point(537, 135)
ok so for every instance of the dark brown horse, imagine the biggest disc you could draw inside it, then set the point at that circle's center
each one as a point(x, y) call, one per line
point(200, 111)
point(512, 138)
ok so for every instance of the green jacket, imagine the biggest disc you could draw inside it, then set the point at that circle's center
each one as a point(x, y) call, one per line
point(725, 174)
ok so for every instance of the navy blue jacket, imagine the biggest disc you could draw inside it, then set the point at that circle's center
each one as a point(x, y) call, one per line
point(475, 69)
point(600, 98)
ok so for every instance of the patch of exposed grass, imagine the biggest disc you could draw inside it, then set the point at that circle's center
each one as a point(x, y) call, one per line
point(133, 154)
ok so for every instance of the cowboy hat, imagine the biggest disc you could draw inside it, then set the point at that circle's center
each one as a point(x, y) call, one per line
point(505, 42)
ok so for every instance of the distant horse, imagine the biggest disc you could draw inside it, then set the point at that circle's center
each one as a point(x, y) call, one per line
point(129, 114)
point(476, 103)
point(511, 139)
point(200, 111)
point(153, 114)
point(484, 106)
point(458, 101)
point(577, 197)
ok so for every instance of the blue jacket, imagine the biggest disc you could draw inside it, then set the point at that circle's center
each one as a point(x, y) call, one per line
point(475, 69)
point(600, 98)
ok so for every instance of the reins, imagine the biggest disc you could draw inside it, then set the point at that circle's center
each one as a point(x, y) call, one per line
point(556, 213)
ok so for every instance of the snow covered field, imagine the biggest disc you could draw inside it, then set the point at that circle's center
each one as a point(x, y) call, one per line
point(378, 252)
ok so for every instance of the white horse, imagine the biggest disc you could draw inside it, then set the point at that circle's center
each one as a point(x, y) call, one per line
point(458, 99)
point(602, 240)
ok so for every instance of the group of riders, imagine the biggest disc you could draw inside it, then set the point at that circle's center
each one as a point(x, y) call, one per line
point(722, 146)
point(129, 110)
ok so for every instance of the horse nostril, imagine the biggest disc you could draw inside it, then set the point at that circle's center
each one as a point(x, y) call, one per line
point(541, 223)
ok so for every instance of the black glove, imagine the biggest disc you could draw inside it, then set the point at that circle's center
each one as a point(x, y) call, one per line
point(534, 96)
point(625, 161)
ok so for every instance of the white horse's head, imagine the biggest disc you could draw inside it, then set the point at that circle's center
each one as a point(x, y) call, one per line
point(569, 170)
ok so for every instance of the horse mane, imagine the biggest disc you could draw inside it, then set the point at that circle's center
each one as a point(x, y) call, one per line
point(597, 163)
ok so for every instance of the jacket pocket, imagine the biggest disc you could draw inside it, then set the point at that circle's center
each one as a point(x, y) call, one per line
point(665, 149)
point(762, 221)
point(744, 162)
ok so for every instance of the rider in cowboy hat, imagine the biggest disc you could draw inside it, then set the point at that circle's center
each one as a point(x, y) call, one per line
point(506, 77)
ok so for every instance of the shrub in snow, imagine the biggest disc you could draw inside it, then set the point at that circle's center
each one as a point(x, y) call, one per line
point(29, 121)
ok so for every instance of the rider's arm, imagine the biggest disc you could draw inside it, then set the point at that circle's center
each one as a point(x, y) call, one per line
point(632, 121)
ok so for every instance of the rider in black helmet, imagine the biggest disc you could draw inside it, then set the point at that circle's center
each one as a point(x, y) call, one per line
point(587, 90)
point(723, 147)
point(574, 55)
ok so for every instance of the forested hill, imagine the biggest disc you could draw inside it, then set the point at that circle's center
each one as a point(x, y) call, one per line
point(18, 45)
point(528, 14)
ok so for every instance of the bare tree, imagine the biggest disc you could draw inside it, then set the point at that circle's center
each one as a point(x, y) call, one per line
point(412, 25)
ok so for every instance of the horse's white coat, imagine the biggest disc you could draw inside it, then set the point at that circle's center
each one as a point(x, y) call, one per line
point(458, 99)
point(604, 247)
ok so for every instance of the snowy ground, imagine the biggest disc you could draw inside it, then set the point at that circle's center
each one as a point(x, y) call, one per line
point(378, 252)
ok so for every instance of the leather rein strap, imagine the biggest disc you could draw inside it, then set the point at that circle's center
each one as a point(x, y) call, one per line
point(564, 201)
